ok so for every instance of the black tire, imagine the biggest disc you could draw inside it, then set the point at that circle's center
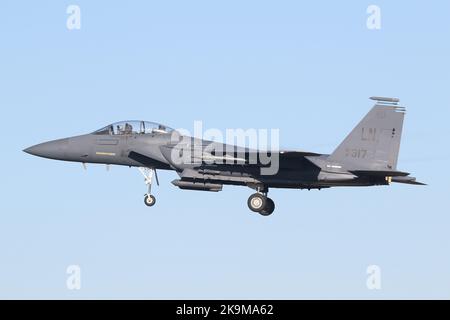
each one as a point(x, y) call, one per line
point(269, 208)
point(149, 200)
point(257, 202)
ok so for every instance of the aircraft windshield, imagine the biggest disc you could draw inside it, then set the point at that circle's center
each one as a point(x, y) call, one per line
point(133, 127)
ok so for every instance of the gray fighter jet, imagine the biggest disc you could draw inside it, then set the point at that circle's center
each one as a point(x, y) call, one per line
point(366, 157)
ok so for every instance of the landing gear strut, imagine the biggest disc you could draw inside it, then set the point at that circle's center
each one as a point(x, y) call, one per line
point(259, 202)
point(148, 174)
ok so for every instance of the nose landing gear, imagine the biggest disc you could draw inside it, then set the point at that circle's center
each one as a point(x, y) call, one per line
point(148, 174)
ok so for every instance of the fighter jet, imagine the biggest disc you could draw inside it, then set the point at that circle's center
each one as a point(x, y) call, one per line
point(366, 157)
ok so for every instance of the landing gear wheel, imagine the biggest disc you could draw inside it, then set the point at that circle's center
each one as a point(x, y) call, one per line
point(149, 200)
point(269, 208)
point(256, 202)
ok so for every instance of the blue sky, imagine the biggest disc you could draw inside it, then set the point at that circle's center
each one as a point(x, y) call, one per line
point(305, 68)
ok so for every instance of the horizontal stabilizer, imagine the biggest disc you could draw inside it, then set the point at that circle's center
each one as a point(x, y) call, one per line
point(379, 173)
point(407, 180)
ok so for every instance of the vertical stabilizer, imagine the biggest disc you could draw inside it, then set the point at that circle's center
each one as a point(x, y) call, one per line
point(375, 142)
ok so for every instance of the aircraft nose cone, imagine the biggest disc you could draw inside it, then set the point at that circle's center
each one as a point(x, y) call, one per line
point(28, 150)
point(53, 149)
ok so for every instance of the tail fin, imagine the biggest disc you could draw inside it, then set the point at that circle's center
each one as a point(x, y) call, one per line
point(375, 142)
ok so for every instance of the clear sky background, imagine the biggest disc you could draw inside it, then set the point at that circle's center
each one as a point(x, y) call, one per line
point(305, 68)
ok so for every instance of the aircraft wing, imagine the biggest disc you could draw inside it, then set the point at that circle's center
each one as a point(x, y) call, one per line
point(288, 154)
point(283, 154)
point(240, 156)
point(253, 158)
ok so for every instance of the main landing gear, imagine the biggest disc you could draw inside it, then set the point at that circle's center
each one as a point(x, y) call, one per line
point(148, 174)
point(259, 202)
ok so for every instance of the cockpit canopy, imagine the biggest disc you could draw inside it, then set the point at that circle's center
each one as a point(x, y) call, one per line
point(133, 127)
